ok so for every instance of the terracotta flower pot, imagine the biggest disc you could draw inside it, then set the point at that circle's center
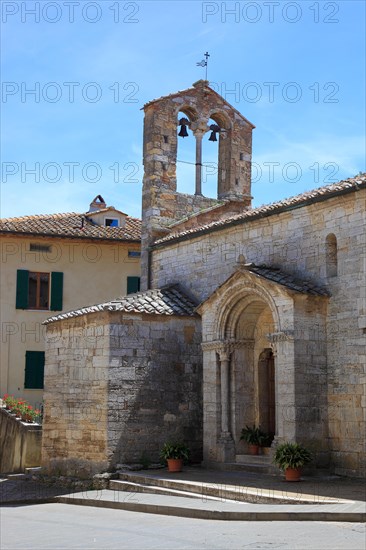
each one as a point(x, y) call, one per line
point(253, 449)
point(293, 474)
point(175, 464)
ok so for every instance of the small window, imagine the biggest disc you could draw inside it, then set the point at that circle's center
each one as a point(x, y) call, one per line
point(111, 222)
point(241, 156)
point(133, 284)
point(34, 370)
point(331, 255)
point(134, 254)
point(40, 247)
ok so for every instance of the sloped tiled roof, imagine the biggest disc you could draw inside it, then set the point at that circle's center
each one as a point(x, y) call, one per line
point(169, 300)
point(293, 283)
point(70, 225)
point(316, 195)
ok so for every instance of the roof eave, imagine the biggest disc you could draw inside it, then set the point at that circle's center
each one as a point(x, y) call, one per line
point(61, 236)
point(241, 220)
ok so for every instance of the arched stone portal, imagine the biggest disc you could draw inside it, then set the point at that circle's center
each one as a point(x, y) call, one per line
point(248, 363)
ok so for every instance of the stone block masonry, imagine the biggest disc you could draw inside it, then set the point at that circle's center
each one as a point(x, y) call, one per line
point(123, 405)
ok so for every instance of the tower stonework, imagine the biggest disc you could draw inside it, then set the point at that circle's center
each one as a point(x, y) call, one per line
point(162, 205)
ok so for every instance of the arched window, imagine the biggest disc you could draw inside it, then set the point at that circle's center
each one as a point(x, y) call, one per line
point(331, 255)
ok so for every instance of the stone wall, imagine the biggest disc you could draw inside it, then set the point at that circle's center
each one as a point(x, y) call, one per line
point(20, 444)
point(155, 385)
point(76, 396)
point(295, 241)
point(117, 386)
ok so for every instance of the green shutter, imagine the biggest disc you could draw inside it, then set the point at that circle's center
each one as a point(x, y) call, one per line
point(57, 280)
point(34, 370)
point(133, 284)
point(22, 289)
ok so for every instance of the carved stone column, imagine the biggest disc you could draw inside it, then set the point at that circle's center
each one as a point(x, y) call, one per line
point(226, 446)
point(224, 356)
point(283, 349)
point(198, 136)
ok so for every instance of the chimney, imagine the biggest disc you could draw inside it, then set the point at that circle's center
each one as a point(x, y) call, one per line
point(97, 204)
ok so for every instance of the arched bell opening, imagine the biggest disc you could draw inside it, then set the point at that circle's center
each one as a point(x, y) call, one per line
point(210, 158)
point(224, 161)
point(186, 150)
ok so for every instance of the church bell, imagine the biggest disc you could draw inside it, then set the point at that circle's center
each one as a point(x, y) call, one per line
point(214, 129)
point(183, 127)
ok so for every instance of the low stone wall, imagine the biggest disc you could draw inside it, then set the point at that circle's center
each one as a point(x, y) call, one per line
point(20, 444)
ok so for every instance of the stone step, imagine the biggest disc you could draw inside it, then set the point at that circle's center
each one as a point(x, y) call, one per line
point(249, 467)
point(253, 459)
point(214, 510)
point(203, 491)
point(34, 470)
point(132, 487)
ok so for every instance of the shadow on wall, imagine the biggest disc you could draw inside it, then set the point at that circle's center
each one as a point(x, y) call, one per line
point(155, 394)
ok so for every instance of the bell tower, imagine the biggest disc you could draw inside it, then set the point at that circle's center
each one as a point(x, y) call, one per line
point(162, 205)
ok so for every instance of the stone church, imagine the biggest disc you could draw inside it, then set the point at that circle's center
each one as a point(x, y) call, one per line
point(245, 316)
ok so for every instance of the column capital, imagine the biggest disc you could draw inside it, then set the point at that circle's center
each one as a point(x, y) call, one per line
point(199, 127)
point(282, 336)
point(223, 348)
point(228, 346)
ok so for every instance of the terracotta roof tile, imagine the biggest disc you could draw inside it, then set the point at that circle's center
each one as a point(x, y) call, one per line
point(290, 281)
point(322, 193)
point(70, 225)
point(169, 300)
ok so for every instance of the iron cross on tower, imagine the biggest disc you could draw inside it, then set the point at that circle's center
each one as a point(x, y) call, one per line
point(207, 55)
point(204, 63)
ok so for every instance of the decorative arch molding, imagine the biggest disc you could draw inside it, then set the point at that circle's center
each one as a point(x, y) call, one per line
point(238, 295)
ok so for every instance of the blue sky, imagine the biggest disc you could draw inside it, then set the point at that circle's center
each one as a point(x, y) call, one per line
point(295, 69)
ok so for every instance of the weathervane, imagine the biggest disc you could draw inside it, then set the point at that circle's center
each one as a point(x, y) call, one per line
point(204, 62)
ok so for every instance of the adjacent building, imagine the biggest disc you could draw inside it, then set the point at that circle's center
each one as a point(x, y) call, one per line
point(52, 263)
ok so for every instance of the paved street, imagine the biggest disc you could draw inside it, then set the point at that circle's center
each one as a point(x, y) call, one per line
point(62, 527)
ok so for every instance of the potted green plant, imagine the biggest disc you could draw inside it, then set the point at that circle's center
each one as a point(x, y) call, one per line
point(252, 435)
point(265, 442)
point(175, 454)
point(291, 457)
